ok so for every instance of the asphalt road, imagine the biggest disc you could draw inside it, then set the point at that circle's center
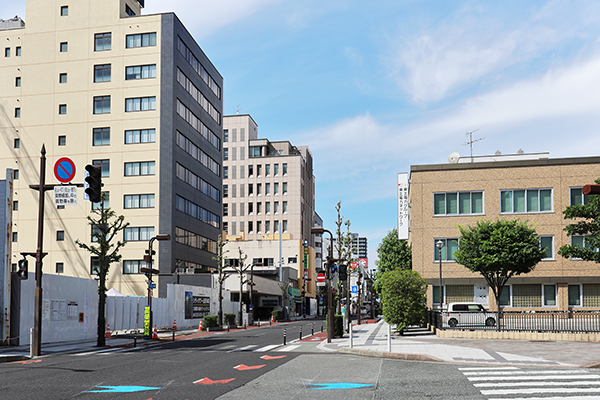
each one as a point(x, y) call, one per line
point(247, 364)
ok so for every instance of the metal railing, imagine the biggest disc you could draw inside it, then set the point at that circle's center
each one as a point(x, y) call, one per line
point(584, 321)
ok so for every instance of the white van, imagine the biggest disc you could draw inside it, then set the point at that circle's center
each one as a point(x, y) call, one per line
point(468, 314)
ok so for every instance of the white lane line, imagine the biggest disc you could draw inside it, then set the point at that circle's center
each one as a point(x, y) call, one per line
point(530, 377)
point(94, 352)
point(243, 348)
point(539, 390)
point(289, 348)
point(536, 372)
point(267, 348)
point(488, 368)
point(593, 397)
point(550, 383)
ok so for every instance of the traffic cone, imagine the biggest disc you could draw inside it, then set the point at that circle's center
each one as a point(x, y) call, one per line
point(271, 318)
point(107, 334)
point(174, 324)
point(154, 333)
point(200, 326)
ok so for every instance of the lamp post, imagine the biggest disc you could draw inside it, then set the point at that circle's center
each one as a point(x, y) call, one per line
point(330, 261)
point(149, 271)
point(440, 245)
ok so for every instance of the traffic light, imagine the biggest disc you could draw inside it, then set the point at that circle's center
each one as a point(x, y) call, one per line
point(94, 180)
point(22, 272)
point(343, 272)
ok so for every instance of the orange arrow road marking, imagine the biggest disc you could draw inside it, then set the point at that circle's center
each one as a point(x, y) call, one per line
point(243, 367)
point(25, 362)
point(265, 357)
point(208, 381)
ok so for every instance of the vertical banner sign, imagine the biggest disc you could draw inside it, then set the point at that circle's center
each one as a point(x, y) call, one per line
point(403, 221)
point(147, 321)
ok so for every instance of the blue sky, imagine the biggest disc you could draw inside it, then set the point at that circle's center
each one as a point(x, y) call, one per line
point(374, 87)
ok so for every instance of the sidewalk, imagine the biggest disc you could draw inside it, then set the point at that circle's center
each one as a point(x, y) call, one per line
point(372, 340)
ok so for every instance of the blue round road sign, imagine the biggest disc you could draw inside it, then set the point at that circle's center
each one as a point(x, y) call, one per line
point(64, 170)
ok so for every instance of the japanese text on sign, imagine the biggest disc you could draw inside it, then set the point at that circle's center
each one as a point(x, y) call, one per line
point(65, 195)
point(403, 206)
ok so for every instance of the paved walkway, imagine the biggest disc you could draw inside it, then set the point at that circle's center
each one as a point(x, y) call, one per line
point(372, 339)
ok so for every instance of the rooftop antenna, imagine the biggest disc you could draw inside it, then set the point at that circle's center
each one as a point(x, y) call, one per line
point(238, 110)
point(471, 141)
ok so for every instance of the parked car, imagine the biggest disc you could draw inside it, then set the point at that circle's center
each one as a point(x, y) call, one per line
point(468, 314)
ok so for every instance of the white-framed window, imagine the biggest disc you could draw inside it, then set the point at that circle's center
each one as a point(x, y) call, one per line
point(527, 295)
point(580, 241)
point(140, 104)
point(576, 196)
point(458, 203)
point(575, 295)
point(141, 40)
point(521, 201)
point(140, 72)
point(101, 136)
point(139, 168)
point(135, 234)
point(547, 243)
point(102, 105)
point(139, 201)
point(549, 295)
point(506, 296)
point(134, 266)
point(450, 247)
point(102, 41)
point(102, 73)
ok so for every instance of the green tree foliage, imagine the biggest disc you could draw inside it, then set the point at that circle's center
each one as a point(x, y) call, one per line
point(498, 251)
point(222, 277)
point(105, 228)
point(588, 225)
point(393, 254)
point(403, 296)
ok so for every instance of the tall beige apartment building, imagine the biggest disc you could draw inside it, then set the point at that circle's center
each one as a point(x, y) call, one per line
point(528, 187)
point(98, 82)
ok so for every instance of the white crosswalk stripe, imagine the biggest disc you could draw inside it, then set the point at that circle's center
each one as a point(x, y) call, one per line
point(267, 348)
point(249, 347)
point(507, 382)
point(290, 347)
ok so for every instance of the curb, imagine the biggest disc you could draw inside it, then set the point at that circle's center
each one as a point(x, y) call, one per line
point(387, 354)
point(18, 357)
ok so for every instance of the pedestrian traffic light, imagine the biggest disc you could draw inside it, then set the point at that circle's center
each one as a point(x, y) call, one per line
point(94, 180)
point(22, 272)
point(343, 272)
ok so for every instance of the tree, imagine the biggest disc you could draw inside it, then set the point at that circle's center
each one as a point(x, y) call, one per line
point(240, 269)
point(404, 298)
point(104, 232)
point(498, 251)
point(345, 251)
point(588, 225)
point(222, 274)
point(393, 254)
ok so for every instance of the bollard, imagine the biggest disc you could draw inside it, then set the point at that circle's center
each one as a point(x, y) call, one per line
point(351, 337)
point(321, 327)
point(271, 322)
point(300, 332)
point(173, 335)
point(135, 339)
point(244, 325)
point(284, 338)
point(259, 323)
point(30, 342)
point(312, 329)
point(227, 327)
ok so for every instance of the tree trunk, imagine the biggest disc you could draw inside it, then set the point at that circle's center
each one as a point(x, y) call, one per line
point(101, 342)
point(220, 313)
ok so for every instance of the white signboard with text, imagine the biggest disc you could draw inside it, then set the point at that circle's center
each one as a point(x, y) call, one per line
point(403, 206)
point(65, 195)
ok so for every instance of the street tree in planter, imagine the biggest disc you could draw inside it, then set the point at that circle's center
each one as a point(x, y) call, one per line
point(220, 258)
point(105, 228)
point(344, 251)
point(586, 229)
point(498, 251)
point(393, 254)
point(240, 269)
point(404, 298)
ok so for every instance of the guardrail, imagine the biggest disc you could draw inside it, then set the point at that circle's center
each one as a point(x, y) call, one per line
point(585, 321)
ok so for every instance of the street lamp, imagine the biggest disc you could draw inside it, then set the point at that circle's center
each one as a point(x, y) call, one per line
point(440, 245)
point(330, 261)
point(149, 271)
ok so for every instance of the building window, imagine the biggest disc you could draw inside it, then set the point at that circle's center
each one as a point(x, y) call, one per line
point(102, 41)
point(242, 209)
point(197, 182)
point(225, 209)
point(197, 66)
point(62, 140)
point(258, 189)
point(140, 72)
point(64, 47)
point(15, 206)
point(99, 205)
point(18, 51)
point(140, 136)
point(276, 207)
point(284, 207)
point(60, 268)
point(140, 104)
point(15, 236)
point(284, 168)
point(17, 112)
point(549, 294)
point(15, 174)
point(267, 226)
point(225, 172)
point(129, 11)
point(525, 201)
point(18, 81)
point(14, 267)
point(250, 227)
point(226, 227)
point(141, 40)
point(591, 295)
point(225, 154)
point(267, 169)
point(7, 52)
point(133, 266)
point(137, 234)
point(60, 236)
point(276, 169)
point(242, 134)
point(268, 208)
point(62, 109)
point(577, 197)
point(284, 188)
point(526, 296)
point(104, 167)
point(225, 135)
point(581, 241)
point(250, 208)
point(102, 73)
point(139, 201)
point(276, 188)
point(547, 243)
point(64, 11)
point(233, 192)
point(267, 188)
point(450, 247)
point(276, 226)
point(62, 77)
point(225, 191)
point(17, 143)
point(250, 171)
point(102, 105)
point(101, 137)
point(139, 168)
point(285, 225)
point(94, 265)
point(574, 295)
point(250, 189)
point(458, 203)
point(233, 154)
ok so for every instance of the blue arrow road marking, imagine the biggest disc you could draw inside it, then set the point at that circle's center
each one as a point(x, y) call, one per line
point(339, 385)
point(121, 389)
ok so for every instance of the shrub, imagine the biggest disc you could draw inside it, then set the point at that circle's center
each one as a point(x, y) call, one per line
point(229, 318)
point(338, 325)
point(403, 295)
point(210, 321)
point(277, 315)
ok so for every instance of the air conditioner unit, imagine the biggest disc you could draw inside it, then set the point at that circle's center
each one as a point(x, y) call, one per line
point(189, 270)
point(180, 270)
